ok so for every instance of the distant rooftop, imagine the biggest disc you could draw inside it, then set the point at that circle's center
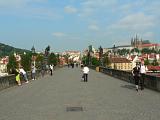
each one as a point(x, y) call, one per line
point(119, 60)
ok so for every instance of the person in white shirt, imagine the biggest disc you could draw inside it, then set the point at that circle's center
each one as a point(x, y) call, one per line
point(143, 70)
point(51, 69)
point(33, 71)
point(85, 73)
point(21, 70)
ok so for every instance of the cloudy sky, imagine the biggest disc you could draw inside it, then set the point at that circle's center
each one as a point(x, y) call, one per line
point(75, 24)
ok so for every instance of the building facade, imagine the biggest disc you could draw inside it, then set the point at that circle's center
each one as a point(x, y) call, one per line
point(120, 63)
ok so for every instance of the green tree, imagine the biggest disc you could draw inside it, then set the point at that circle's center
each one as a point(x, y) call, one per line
point(95, 61)
point(153, 50)
point(12, 64)
point(123, 51)
point(155, 62)
point(146, 51)
point(66, 58)
point(58, 60)
point(146, 62)
point(85, 60)
point(106, 60)
point(39, 60)
point(52, 59)
point(26, 61)
point(135, 50)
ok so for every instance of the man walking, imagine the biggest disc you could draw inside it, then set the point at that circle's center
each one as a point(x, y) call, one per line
point(33, 71)
point(143, 70)
point(51, 69)
point(85, 73)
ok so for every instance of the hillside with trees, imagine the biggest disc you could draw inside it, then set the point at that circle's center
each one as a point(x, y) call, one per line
point(6, 50)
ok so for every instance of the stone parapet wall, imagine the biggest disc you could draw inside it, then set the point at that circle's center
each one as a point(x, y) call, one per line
point(151, 81)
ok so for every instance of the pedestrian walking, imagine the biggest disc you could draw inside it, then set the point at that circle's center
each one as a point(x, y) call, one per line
point(136, 75)
point(42, 70)
point(81, 65)
point(24, 74)
point(77, 64)
point(143, 70)
point(72, 64)
point(51, 69)
point(33, 71)
point(85, 73)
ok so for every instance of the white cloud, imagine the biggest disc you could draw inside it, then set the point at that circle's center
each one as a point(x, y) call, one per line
point(27, 8)
point(43, 13)
point(148, 35)
point(70, 9)
point(93, 27)
point(39, 0)
point(154, 9)
point(12, 3)
point(98, 3)
point(92, 7)
point(18, 3)
point(135, 22)
point(126, 8)
point(58, 34)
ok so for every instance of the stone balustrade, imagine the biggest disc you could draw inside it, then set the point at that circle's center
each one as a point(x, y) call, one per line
point(151, 80)
point(9, 80)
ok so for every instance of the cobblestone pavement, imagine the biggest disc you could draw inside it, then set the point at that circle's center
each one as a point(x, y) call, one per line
point(58, 97)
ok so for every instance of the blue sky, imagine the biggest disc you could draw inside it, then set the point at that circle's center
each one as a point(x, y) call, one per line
point(75, 24)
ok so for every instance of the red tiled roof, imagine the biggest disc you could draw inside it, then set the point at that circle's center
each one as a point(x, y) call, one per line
point(151, 55)
point(150, 68)
point(133, 56)
point(119, 60)
point(149, 45)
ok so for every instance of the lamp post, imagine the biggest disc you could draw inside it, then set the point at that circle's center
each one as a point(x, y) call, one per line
point(33, 56)
point(114, 51)
point(100, 55)
point(89, 55)
point(47, 50)
point(88, 58)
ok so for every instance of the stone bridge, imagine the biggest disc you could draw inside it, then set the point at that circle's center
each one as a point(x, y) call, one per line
point(64, 96)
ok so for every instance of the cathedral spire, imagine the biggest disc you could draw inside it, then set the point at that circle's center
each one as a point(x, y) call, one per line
point(33, 49)
point(132, 41)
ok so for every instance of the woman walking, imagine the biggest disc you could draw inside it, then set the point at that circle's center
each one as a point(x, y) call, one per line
point(136, 75)
point(143, 70)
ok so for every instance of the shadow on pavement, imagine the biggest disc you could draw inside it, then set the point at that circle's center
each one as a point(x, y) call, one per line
point(128, 86)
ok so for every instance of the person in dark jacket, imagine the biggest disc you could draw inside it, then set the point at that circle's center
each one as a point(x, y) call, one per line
point(136, 75)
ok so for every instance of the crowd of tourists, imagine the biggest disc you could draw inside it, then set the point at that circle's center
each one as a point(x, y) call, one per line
point(138, 73)
point(21, 74)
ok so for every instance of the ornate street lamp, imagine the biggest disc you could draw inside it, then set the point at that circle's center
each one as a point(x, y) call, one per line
point(89, 55)
point(114, 51)
point(100, 55)
point(33, 56)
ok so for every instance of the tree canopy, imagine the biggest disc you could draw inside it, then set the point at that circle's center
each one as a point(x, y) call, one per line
point(12, 64)
point(52, 59)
